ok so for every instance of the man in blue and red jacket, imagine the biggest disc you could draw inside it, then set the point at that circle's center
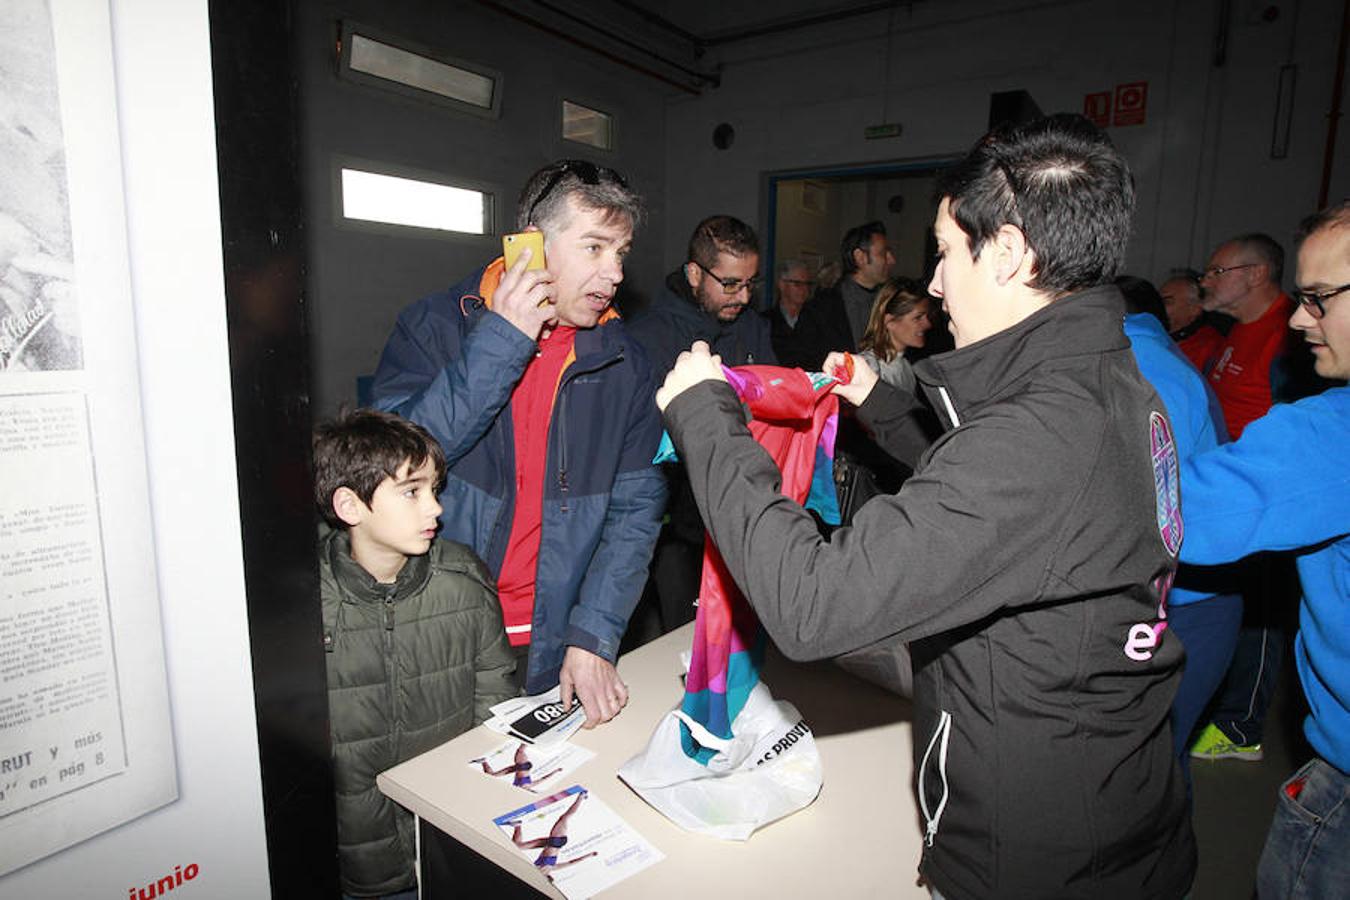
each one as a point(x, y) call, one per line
point(543, 404)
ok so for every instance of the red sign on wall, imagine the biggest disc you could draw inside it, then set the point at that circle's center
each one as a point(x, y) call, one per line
point(1097, 108)
point(1131, 103)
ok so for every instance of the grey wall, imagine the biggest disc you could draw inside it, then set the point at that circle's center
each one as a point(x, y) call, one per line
point(361, 278)
point(1201, 159)
point(800, 100)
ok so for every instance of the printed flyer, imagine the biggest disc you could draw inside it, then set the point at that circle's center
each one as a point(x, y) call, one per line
point(578, 842)
point(533, 768)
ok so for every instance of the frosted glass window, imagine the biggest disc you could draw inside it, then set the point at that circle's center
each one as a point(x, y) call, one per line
point(372, 197)
point(395, 64)
point(588, 126)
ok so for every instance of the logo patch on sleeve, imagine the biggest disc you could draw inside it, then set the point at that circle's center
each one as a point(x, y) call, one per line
point(1165, 481)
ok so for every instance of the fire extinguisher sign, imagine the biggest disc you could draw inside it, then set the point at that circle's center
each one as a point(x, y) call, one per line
point(1126, 105)
point(1097, 108)
point(1131, 103)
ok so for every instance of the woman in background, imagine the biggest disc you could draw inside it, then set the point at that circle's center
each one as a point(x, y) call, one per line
point(899, 322)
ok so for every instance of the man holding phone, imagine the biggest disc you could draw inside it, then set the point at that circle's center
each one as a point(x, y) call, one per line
point(542, 403)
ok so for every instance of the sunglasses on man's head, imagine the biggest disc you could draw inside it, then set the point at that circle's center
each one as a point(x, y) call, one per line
point(586, 172)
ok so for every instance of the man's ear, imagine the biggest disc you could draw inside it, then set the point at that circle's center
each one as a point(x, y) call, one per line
point(1012, 255)
point(350, 508)
point(859, 257)
point(693, 274)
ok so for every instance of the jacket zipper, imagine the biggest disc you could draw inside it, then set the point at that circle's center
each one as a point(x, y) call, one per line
point(951, 410)
point(939, 740)
point(391, 669)
point(560, 416)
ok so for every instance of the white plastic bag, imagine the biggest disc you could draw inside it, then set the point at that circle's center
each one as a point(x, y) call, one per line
point(771, 768)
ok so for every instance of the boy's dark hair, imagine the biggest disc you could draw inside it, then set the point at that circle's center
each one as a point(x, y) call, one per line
point(721, 234)
point(360, 449)
point(1061, 181)
point(859, 237)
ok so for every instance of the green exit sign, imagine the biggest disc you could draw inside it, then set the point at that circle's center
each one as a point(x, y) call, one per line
point(889, 130)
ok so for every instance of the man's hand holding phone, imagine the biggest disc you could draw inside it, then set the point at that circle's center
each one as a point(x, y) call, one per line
point(525, 296)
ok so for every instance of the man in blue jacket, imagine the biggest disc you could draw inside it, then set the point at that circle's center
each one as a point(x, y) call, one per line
point(542, 403)
point(1285, 485)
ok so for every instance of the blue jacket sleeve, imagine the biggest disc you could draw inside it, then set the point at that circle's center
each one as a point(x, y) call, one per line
point(1283, 485)
point(450, 376)
point(614, 580)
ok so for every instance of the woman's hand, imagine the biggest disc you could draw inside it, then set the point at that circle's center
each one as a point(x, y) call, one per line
point(854, 388)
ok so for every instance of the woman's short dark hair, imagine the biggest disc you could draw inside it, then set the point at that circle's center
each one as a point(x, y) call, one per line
point(360, 449)
point(1061, 181)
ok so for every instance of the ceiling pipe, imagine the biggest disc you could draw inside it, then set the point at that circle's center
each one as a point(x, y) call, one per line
point(848, 12)
point(704, 77)
point(586, 45)
point(663, 23)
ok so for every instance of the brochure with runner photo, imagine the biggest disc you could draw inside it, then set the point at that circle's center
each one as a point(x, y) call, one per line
point(534, 768)
point(578, 842)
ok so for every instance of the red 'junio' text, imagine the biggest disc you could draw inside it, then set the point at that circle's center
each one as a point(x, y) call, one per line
point(161, 887)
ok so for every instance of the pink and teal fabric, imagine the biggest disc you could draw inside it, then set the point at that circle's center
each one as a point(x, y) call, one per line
point(795, 418)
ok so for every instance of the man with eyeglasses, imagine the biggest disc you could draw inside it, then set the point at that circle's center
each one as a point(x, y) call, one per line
point(706, 299)
point(1285, 485)
point(794, 289)
point(542, 402)
point(1249, 370)
point(1242, 280)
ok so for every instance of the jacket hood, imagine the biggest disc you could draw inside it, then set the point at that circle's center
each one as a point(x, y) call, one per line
point(969, 376)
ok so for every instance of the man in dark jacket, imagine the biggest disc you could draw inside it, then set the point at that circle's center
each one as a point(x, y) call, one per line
point(794, 283)
point(542, 402)
point(707, 299)
point(836, 317)
point(1027, 559)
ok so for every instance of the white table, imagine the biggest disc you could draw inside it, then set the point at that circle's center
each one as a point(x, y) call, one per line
point(861, 837)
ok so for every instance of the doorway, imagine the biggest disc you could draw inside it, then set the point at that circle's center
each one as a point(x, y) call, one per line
point(808, 211)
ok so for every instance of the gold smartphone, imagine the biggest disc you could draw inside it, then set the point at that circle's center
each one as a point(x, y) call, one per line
point(512, 244)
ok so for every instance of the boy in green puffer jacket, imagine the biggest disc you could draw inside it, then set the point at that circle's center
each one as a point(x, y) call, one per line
point(412, 628)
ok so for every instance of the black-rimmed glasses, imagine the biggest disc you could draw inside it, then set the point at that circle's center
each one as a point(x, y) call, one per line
point(731, 285)
point(1216, 271)
point(1315, 301)
point(588, 173)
